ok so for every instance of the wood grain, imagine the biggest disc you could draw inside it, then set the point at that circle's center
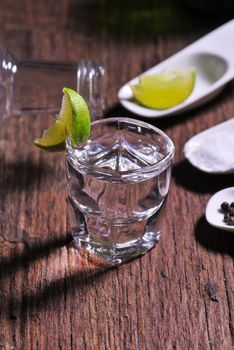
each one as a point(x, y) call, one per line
point(178, 296)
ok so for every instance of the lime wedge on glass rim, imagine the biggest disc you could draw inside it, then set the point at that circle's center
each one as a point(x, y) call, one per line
point(164, 90)
point(72, 121)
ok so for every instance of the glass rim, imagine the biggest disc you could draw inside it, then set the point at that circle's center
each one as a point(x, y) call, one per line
point(152, 168)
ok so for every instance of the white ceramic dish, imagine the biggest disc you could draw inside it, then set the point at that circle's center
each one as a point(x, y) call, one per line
point(213, 58)
point(214, 216)
point(211, 151)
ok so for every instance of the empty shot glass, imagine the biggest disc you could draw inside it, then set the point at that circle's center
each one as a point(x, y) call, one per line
point(117, 184)
point(36, 85)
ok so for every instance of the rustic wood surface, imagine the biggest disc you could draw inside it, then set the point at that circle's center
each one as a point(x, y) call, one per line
point(178, 296)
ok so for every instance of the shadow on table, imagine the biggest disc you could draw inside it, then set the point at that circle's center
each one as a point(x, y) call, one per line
point(163, 123)
point(144, 20)
point(85, 270)
point(32, 253)
point(213, 239)
point(23, 175)
point(197, 181)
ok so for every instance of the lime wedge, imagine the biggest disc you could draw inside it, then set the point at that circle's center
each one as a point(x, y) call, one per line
point(164, 90)
point(80, 126)
point(72, 121)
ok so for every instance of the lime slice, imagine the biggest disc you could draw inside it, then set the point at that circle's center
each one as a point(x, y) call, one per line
point(73, 120)
point(80, 126)
point(164, 90)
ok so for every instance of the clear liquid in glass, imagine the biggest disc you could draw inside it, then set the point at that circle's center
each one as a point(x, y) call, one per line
point(115, 201)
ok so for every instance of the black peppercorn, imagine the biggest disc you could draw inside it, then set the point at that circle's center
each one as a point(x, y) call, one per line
point(228, 211)
point(225, 207)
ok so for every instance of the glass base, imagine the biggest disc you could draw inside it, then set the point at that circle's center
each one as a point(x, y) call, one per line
point(115, 244)
point(119, 253)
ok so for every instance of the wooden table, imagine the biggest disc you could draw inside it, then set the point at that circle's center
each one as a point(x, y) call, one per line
point(178, 296)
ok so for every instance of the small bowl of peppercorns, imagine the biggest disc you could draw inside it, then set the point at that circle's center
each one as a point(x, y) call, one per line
point(220, 210)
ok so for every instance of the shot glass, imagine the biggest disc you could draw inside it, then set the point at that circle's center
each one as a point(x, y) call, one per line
point(117, 183)
point(36, 85)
